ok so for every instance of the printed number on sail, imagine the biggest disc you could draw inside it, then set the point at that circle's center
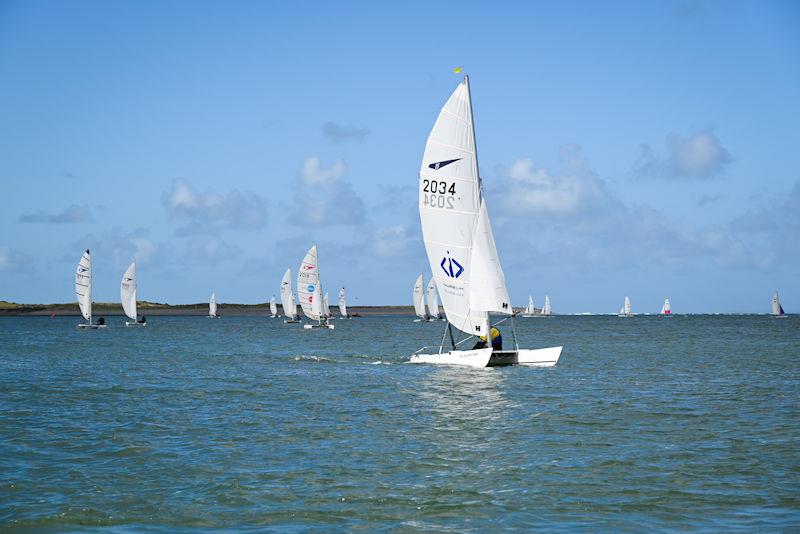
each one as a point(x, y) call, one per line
point(436, 192)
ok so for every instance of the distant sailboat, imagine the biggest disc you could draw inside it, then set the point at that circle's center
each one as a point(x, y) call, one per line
point(212, 306)
point(287, 299)
point(273, 308)
point(432, 298)
point(665, 308)
point(309, 291)
point(343, 304)
point(777, 309)
point(419, 300)
point(326, 306)
point(127, 295)
point(625, 311)
point(546, 310)
point(83, 290)
point(460, 244)
point(529, 311)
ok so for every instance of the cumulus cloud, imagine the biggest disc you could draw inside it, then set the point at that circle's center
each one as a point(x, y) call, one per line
point(323, 198)
point(121, 247)
point(699, 156)
point(397, 241)
point(338, 133)
point(234, 209)
point(72, 214)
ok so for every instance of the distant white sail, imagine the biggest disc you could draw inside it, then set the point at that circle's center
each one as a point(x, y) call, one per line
point(212, 305)
point(419, 298)
point(432, 298)
point(273, 308)
point(530, 309)
point(83, 285)
point(626, 308)
point(308, 283)
point(326, 309)
point(342, 303)
point(127, 291)
point(665, 308)
point(287, 297)
point(546, 310)
point(777, 309)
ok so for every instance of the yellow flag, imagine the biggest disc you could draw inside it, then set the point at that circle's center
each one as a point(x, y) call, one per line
point(458, 70)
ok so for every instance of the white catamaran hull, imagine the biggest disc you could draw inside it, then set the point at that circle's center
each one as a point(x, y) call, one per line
point(134, 323)
point(310, 326)
point(91, 326)
point(290, 321)
point(487, 358)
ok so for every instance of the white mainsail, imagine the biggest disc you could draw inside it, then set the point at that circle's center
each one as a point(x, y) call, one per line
point(665, 308)
point(342, 303)
point(308, 283)
point(326, 309)
point(777, 309)
point(83, 285)
point(212, 305)
point(455, 221)
point(530, 309)
point(273, 308)
point(626, 308)
point(546, 309)
point(432, 298)
point(287, 297)
point(127, 291)
point(419, 298)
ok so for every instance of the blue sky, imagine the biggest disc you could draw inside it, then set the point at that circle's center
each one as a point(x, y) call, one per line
point(639, 148)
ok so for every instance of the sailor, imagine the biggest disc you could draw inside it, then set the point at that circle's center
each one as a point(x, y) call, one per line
point(143, 319)
point(101, 321)
point(497, 341)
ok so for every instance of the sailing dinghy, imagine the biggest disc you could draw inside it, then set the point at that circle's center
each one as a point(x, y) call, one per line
point(127, 295)
point(309, 291)
point(83, 290)
point(273, 308)
point(547, 310)
point(343, 304)
point(529, 311)
point(287, 299)
point(419, 300)
point(777, 309)
point(460, 244)
point(432, 299)
point(666, 311)
point(625, 311)
point(326, 308)
point(212, 306)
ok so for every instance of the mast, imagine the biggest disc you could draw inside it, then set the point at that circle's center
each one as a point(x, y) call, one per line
point(474, 139)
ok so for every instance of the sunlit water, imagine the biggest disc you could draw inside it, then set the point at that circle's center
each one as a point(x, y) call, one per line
point(646, 423)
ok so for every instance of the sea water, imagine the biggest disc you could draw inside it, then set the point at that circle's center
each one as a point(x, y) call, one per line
point(647, 423)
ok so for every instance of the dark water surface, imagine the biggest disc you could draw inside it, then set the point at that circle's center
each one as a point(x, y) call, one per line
point(647, 423)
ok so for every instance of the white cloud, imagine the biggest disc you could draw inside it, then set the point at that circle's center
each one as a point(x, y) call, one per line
point(397, 241)
point(234, 209)
point(699, 156)
point(72, 214)
point(323, 198)
point(338, 133)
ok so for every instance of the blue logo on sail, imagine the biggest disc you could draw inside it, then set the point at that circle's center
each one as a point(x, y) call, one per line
point(310, 288)
point(451, 267)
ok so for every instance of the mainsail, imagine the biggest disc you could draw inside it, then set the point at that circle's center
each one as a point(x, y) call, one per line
point(419, 298)
point(530, 309)
point(212, 305)
point(455, 221)
point(432, 298)
point(777, 309)
point(342, 303)
point(273, 308)
point(326, 309)
point(665, 309)
point(127, 291)
point(287, 297)
point(626, 308)
point(83, 285)
point(546, 309)
point(308, 283)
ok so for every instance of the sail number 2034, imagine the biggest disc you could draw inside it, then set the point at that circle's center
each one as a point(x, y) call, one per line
point(436, 194)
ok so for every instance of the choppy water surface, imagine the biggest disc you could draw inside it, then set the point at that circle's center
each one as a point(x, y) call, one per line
point(646, 423)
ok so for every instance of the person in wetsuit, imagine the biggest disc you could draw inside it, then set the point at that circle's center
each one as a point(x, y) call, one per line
point(143, 319)
point(101, 321)
point(497, 341)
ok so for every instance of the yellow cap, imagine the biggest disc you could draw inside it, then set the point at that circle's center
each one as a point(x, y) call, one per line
point(483, 338)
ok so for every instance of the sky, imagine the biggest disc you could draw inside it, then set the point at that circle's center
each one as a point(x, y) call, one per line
point(647, 149)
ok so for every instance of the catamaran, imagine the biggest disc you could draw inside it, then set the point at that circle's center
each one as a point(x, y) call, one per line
point(309, 291)
point(212, 306)
point(273, 308)
point(777, 309)
point(665, 308)
point(287, 299)
point(343, 304)
point(419, 300)
point(127, 295)
point(83, 290)
point(529, 310)
point(625, 311)
point(460, 244)
point(547, 310)
point(432, 299)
